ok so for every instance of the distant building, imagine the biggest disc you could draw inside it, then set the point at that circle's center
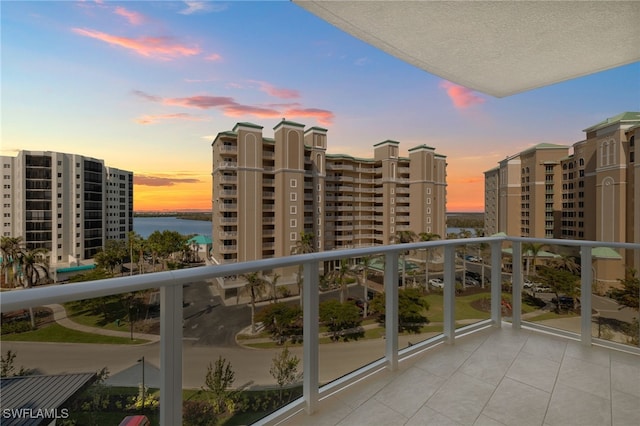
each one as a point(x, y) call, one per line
point(591, 194)
point(268, 191)
point(66, 203)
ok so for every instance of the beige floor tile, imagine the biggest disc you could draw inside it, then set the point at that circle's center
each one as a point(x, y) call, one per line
point(535, 371)
point(461, 398)
point(574, 407)
point(514, 403)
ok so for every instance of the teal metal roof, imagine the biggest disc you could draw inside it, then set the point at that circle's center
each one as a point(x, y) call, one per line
point(201, 239)
point(76, 268)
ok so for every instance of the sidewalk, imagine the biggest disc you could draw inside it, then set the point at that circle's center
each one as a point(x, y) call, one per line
point(60, 316)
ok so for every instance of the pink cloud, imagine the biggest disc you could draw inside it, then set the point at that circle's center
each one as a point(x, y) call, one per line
point(214, 57)
point(134, 18)
point(156, 47)
point(150, 119)
point(231, 108)
point(277, 92)
point(323, 116)
point(202, 102)
point(461, 96)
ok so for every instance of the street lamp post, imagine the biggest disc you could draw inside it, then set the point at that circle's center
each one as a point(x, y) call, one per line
point(143, 395)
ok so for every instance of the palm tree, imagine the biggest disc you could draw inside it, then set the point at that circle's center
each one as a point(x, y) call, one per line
point(9, 249)
point(364, 265)
point(340, 276)
point(255, 286)
point(32, 267)
point(303, 246)
point(464, 233)
point(403, 237)
point(532, 250)
point(568, 263)
point(273, 283)
point(427, 236)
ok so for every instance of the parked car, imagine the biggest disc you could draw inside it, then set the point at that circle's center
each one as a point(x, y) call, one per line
point(528, 284)
point(436, 282)
point(566, 302)
point(471, 281)
point(470, 258)
point(540, 288)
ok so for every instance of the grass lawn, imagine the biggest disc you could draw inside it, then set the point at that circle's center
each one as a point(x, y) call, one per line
point(552, 315)
point(58, 333)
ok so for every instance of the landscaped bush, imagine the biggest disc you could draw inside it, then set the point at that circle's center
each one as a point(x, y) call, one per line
point(16, 327)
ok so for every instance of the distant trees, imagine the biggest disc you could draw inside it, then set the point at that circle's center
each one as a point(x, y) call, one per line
point(255, 286)
point(560, 281)
point(112, 256)
point(411, 308)
point(284, 369)
point(339, 318)
point(304, 245)
point(629, 294)
point(283, 321)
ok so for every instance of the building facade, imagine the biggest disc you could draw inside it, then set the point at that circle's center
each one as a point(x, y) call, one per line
point(67, 204)
point(268, 191)
point(591, 193)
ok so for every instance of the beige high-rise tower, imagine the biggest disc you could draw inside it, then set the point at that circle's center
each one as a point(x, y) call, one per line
point(268, 191)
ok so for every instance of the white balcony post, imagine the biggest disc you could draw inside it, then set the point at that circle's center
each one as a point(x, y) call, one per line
point(311, 329)
point(171, 355)
point(586, 281)
point(449, 326)
point(496, 284)
point(516, 285)
point(391, 309)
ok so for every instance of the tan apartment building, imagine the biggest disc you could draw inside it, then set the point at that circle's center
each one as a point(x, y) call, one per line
point(268, 191)
point(591, 194)
point(522, 194)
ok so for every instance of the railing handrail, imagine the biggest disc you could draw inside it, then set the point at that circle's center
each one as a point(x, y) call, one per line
point(56, 293)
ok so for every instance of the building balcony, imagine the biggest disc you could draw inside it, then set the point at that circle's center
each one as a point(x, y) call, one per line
point(505, 367)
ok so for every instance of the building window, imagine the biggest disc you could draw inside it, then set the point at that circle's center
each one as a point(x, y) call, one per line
point(293, 223)
point(293, 236)
point(428, 191)
point(293, 183)
point(293, 210)
point(293, 196)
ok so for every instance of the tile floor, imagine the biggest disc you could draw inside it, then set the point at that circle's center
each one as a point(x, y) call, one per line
point(491, 378)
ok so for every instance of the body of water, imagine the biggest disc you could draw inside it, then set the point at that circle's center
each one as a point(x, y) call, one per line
point(145, 226)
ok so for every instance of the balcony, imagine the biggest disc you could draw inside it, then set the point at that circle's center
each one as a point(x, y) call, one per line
point(495, 370)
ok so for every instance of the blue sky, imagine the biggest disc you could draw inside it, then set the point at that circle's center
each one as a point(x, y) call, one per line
point(146, 86)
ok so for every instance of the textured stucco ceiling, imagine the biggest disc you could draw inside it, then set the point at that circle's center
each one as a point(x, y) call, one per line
point(496, 47)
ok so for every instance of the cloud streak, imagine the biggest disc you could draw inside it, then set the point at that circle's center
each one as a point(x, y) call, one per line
point(229, 107)
point(153, 47)
point(148, 180)
point(202, 7)
point(461, 96)
point(276, 92)
point(134, 18)
point(151, 119)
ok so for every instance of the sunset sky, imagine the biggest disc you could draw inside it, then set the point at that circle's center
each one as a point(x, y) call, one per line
point(146, 86)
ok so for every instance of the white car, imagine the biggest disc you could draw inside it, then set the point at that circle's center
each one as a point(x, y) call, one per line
point(436, 282)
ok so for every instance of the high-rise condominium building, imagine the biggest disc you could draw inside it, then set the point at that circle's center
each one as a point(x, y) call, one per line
point(67, 204)
point(592, 193)
point(267, 192)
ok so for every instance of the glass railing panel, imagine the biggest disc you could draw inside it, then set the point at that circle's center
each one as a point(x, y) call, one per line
point(615, 294)
point(242, 346)
point(114, 337)
point(551, 285)
point(351, 311)
point(473, 284)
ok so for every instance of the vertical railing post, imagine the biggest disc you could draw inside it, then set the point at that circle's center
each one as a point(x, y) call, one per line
point(516, 285)
point(171, 355)
point(496, 284)
point(311, 329)
point(586, 281)
point(391, 309)
point(449, 326)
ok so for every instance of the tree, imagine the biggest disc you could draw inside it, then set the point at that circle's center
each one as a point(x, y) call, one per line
point(303, 246)
point(136, 250)
point(464, 233)
point(165, 245)
point(32, 267)
point(568, 263)
point(273, 283)
point(341, 277)
point(218, 381)
point(281, 320)
point(112, 256)
point(629, 294)
point(404, 237)
point(427, 236)
point(7, 367)
point(561, 282)
point(9, 249)
point(284, 368)
point(339, 317)
point(364, 265)
point(531, 251)
point(411, 306)
point(255, 286)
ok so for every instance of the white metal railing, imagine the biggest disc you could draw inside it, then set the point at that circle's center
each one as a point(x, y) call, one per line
point(171, 314)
